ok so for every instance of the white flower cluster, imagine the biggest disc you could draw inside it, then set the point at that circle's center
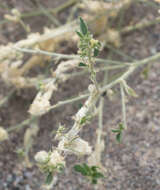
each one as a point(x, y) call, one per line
point(41, 157)
point(41, 103)
point(56, 158)
point(77, 146)
point(49, 160)
point(3, 134)
point(80, 146)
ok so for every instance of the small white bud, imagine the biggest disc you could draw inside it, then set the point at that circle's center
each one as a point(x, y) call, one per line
point(80, 147)
point(93, 42)
point(91, 88)
point(56, 158)
point(41, 157)
point(16, 12)
point(39, 106)
point(3, 134)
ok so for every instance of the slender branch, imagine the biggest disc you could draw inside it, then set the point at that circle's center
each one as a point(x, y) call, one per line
point(123, 106)
point(68, 101)
point(63, 56)
point(100, 129)
point(40, 12)
point(103, 89)
point(124, 76)
point(140, 26)
point(5, 99)
point(50, 16)
point(22, 124)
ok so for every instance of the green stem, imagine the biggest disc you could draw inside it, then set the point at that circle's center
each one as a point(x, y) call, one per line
point(21, 125)
point(123, 106)
point(140, 26)
point(100, 121)
point(63, 56)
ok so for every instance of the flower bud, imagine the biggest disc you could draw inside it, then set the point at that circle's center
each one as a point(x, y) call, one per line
point(91, 88)
point(93, 42)
point(3, 134)
point(56, 158)
point(41, 157)
point(16, 12)
point(80, 147)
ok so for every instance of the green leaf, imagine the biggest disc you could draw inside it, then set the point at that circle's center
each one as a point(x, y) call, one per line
point(96, 52)
point(119, 137)
point(60, 168)
point(98, 175)
point(115, 130)
point(80, 169)
point(80, 105)
point(94, 181)
point(83, 27)
point(94, 168)
point(83, 120)
point(49, 179)
point(82, 64)
point(79, 34)
point(145, 72)
point(131, 92)
point(121, 126)
point(87, 169)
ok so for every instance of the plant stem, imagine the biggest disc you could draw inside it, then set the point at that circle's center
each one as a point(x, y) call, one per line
point(63, 56)
point(68, 101)
point(140, 26)
point(22, 124)
point(123, 105)
point(100, 120)
point(5, 99)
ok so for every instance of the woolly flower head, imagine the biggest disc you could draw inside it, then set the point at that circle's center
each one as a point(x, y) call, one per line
point(3, 134)
point(39, 106)
point(56, 158)
point(81, 146)
point(41, 102)
point(41, 157)
point(77, 146)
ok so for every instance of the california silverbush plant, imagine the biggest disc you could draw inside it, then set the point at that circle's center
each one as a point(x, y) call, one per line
point(69, 141)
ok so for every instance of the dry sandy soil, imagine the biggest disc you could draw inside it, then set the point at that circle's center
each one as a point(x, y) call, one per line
point(132, 165)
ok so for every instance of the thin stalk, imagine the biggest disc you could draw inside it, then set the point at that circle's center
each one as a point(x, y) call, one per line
point(22, 124)
point(100, 120)
point(63, 56)
point(123, 106)
point(51, 17)
point(40, 12)
point(139, 26)
point(5, 99)
point(68, 101)
point(119, 52)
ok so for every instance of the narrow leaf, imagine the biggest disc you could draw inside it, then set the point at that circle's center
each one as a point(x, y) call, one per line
point(80, 169)
point(94, 168)
point(96, 52)
point(49, 179)
point(121, 126)
point(79, 34)
point(94, 181)
point(83, 120)
point(98, 175)
point(83, 27)
point(80, 105)
point(115, 130)
point(119, 137)
point(131, 92)
point(82, 64)
point(87, 169)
